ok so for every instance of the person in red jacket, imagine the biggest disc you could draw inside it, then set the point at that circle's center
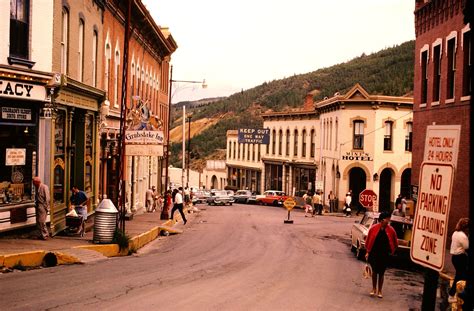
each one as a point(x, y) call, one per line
point(380, 243)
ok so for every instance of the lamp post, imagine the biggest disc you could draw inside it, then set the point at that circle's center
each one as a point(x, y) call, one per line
point(188, 119)
point(164, 213)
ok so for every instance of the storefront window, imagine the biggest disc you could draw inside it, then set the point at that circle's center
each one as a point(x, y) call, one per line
point(59, 157)
point(88, 154)
point(18, 143)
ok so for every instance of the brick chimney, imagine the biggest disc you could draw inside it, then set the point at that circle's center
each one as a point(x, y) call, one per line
point(309, 102)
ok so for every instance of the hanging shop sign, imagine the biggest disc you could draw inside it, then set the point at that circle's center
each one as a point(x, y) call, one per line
point(12, 89)
point(15, 156)
point(254, 136)
point(144, 143)
point(357, 156)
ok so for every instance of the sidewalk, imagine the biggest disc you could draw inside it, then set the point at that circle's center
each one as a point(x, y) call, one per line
point(29, 252)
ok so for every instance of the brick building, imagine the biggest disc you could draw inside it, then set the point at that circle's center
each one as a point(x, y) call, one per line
point(442, 89)
point(149, 52)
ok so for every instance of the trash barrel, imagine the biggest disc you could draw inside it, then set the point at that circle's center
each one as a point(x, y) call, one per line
point(105, 222)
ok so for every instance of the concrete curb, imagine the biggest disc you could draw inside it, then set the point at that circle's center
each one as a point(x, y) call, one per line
point(35, 258)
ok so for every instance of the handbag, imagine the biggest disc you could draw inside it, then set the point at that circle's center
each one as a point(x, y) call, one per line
point(367, 271)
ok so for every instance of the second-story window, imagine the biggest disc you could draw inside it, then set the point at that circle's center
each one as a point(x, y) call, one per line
point(287, 145)
point(424, 77)
point(467, 62)
point(451, 68)
point(280, 142)
point(436, 72)
point(303, 145)
point(274, 137)
point(409, 136)
point(229, 150)
point(19, 28)
point(295, 144)
point(387, 138)
point(358, 141)
point(107, 69)
point(234, 150)
point(64, 40)
point(116, 77)
point(95, 43)
point(313, 144)
point(80, 51)
point(132, 81)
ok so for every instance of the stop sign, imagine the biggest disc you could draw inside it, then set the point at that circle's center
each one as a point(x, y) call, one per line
point(367, 198)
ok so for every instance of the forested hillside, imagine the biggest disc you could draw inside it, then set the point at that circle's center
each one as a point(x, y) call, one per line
point(387, 72)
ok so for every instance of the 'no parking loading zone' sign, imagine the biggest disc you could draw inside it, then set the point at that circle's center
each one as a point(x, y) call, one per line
point(434, 196)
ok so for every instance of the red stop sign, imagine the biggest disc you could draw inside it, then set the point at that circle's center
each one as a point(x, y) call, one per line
point(367, 198)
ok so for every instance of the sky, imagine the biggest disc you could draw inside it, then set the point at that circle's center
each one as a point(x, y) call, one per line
point(241, 44)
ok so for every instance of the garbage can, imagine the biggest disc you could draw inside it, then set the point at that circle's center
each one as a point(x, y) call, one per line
point(105, 222)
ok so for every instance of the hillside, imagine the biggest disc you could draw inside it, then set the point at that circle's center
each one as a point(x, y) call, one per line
point(388, 72)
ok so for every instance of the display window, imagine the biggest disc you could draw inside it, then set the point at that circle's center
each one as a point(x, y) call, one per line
point(59, 168)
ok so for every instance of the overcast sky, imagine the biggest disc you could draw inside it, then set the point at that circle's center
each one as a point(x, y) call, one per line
point(240, 44)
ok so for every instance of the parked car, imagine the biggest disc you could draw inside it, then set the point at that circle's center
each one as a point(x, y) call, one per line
point(200, 196)
point(244, 196)
point(403, 226)
point(219, 197)
point(272, 197)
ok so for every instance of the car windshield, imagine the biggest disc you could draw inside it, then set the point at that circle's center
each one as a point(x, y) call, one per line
point(241, 192)
point(220, 192)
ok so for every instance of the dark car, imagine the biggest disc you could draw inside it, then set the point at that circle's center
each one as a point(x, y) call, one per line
point(219, 197)
point(244, 196)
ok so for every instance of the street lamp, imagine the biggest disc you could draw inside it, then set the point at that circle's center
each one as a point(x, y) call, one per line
point(188, 119)
point(164, 213)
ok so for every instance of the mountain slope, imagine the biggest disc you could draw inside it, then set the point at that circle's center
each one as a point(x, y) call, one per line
point(388, 72)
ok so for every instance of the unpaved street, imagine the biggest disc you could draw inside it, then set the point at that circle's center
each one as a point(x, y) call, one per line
point(240, 257)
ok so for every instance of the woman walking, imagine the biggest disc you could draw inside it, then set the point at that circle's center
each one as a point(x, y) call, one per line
point(380, 243)
point(459, 247)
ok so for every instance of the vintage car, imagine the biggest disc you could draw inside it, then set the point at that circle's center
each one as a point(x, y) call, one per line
point(402, 225)
point(219, 197)
point(272, 197)
point(200, 196)
point(244, 196)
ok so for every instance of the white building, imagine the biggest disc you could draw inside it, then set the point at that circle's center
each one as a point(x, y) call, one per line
point(347, 142)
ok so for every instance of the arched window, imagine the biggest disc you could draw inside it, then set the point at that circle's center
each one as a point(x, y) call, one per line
point(80, 51)
point(287, 145)
point(303, 145)
point(280, 142)
point(95, 44)
point(132, 81)
point(64, 40)
point(116, 78)
point(273, 142)
point(313, 144)
point(295, 144)
point(107, 68)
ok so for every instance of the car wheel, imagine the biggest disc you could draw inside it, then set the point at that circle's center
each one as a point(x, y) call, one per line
point(247, 201)
point(359, 252)
point(230, 204)
point(275, 203)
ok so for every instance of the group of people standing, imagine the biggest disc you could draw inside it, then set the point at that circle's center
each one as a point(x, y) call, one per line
point(153, 200)
point(313, 203)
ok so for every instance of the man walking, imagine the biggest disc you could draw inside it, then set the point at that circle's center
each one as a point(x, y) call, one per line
point(42, 200)
point(150, 199)
point(178, 205)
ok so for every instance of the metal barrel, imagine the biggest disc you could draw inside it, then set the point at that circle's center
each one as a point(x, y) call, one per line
point(105, 222)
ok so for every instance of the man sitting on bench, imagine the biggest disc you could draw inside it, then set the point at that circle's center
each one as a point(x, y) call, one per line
point(79, 202)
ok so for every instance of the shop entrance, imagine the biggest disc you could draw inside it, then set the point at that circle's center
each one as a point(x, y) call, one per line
point(357, 183)
point(405, 183)
point(385, 190)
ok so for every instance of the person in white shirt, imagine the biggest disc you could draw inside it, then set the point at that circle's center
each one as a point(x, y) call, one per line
point(459, 247)
point(178, 205)
point(347, 205)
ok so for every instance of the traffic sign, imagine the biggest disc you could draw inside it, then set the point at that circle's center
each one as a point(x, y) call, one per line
point(289, 203)
point(367, 198)
point(430, 229)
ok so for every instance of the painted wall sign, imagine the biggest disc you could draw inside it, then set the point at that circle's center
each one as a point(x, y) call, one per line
point(357, 156)
point(15, 156)
point(22, 90)
point(442, 144)
point(254, 136)
point(14, 113)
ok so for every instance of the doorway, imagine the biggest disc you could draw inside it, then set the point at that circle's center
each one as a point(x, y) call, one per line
point(385, 190)
point(357, 183)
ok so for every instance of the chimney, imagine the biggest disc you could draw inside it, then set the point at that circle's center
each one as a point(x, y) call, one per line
point(308, 102)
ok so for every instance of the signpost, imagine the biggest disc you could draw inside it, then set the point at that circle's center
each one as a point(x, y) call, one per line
point(428, 240)
point(367, 198)
point(289, 203)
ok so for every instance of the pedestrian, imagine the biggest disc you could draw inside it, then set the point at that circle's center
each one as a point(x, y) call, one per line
point(178, 204)
point(150, 199)
point(42, 201)
point(78, 202)
point(332, 202)
point(158, 202)
point(347, 205)
point(187, 196)
point(458, 251)
point(381, 241)
point(318, 206)
point(398, 201)
point(308, 204)
point(404, 204)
